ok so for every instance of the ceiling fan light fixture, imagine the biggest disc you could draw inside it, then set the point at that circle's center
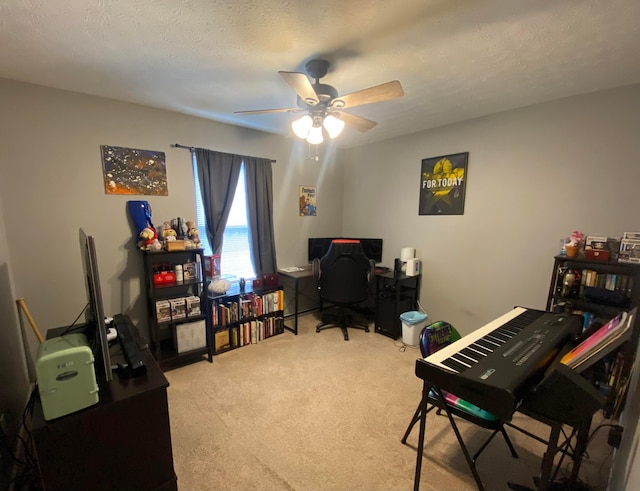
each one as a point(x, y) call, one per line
point(315, 135)
point(302, 126)
point(333, 125)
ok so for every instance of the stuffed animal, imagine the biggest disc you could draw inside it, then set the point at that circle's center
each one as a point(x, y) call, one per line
point(167, 232)
point(194, 235)
point(148, 236)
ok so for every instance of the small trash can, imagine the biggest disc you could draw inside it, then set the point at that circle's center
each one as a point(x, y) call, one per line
point(412, 323)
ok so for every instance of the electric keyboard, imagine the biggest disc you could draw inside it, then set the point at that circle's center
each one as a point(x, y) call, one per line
point(494, 366)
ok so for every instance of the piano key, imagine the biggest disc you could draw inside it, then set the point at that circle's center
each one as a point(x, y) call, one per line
point(508, 330)
point(495, 339)
point(472, 354)
point(486, 344)
point(501, 336)
point(451, 363)
point(464, 359)
point(480, 349)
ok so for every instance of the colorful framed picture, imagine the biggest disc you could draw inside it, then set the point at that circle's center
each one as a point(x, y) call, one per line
point(443, 182)
point(133, 171)
point(307, 201)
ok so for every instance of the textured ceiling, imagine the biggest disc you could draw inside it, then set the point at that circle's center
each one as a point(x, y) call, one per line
point(456, 59)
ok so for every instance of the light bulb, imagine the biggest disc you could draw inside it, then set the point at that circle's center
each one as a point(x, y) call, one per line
point(302, 126)
point(333, 125)
point(315, 135)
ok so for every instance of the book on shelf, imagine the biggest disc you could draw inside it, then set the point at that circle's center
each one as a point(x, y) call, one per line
point(600, 343)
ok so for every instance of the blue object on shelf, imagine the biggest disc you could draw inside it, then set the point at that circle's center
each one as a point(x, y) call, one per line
point(140, 213)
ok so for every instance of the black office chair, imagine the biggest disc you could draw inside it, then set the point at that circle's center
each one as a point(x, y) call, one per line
point(432, 338)
point(343, 276)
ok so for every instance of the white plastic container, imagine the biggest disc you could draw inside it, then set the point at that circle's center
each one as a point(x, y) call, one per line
point(412, 323)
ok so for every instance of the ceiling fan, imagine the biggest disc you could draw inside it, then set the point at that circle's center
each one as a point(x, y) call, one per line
point(323, 106)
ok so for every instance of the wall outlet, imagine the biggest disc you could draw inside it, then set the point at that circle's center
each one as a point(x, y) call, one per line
point(615, 436)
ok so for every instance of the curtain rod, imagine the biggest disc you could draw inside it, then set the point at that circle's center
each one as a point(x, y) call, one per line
point(177, 145)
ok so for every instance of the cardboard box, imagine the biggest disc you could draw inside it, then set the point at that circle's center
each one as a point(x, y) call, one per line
point(175, 245)
point(189, 271)
point(163, 311)
point(178, 308)
point(595, 242)
point(190, 336)
point(629, 251)
point(164, 277)
point(193, 306)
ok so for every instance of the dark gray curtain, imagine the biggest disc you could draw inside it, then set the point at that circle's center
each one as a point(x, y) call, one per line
point(218, 174)
point(258, 178)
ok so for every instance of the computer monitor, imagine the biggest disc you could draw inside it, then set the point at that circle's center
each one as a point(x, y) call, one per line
point(318, 247)
point(96, 329)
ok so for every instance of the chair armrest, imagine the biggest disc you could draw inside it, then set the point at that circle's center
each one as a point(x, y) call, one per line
point(316, 269)
point(371, 273)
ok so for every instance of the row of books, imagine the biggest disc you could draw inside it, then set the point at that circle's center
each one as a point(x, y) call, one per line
point(228, 310)
point(622, 283)
point(250, 332)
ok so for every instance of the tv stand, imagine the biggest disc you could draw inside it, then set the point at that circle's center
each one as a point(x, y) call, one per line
point(121, 443)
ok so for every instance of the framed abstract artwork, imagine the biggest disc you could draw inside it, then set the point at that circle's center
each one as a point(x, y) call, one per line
point(133, 171)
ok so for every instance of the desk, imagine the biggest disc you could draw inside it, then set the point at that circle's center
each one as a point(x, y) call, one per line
point(301, 287)
point(121, 443)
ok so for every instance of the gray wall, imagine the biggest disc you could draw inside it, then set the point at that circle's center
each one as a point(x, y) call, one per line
point(534, 176)
point(51, 184)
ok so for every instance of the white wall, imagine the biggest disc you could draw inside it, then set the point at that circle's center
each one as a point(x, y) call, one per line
point(51, 184)
point(534, 176)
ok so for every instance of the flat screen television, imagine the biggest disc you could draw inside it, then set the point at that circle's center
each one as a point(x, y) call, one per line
point(94, 314)
point(318, 247)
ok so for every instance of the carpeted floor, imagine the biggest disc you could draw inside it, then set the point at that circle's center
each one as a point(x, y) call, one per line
point(313, 412)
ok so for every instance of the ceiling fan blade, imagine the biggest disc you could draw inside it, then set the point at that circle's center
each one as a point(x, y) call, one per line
point(357, 122)
point(300, 83)
point(262, 111)
point(378, 93)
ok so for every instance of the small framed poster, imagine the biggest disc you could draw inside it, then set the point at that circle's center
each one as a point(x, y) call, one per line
point(307, 201)
point(443, 182)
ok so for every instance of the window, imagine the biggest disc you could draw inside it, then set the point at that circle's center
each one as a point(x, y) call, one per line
point(235, 258)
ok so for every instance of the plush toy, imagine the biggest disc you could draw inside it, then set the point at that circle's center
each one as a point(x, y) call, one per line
point(148, 238)
point(194, 235)
point(156, 245)
point(167, 232)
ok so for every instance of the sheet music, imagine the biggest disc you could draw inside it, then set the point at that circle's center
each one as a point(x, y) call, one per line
point(600, 343)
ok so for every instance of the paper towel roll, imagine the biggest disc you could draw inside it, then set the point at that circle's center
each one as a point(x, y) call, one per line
point(407, 253)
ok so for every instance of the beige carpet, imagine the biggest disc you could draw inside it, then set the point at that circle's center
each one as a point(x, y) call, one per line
point(313, 412)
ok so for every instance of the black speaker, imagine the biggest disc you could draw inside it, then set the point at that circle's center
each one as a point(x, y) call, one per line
point(397, 266)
